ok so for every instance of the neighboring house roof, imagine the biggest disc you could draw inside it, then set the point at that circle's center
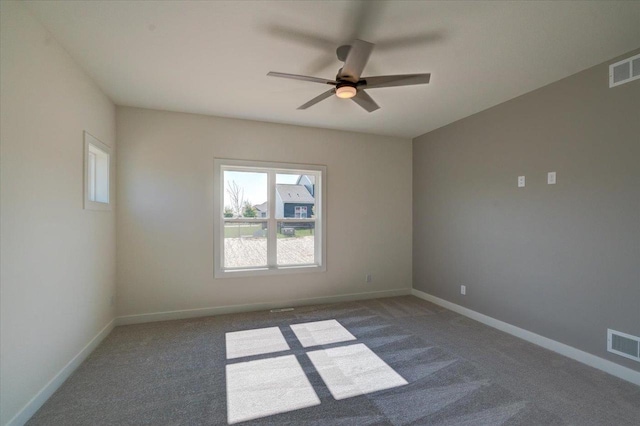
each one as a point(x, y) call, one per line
point(310, 178)
point(261, 207)
point(294, 194)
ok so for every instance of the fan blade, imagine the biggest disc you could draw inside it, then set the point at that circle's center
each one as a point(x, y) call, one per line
point(409, 41)
point(356, 60)
point(293, 35)
point(396, 80)
point(301, 77)
point(363, 17)
point(342, 52)
point(308, 39)
point(318, 98)
point(363, 99)
point(321, 63)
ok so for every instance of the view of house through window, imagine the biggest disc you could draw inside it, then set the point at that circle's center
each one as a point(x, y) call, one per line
point(269, 217)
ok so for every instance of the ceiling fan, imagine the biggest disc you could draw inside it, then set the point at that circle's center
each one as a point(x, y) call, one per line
point(349, 84)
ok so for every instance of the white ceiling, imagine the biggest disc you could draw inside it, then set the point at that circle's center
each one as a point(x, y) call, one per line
point(212, 57)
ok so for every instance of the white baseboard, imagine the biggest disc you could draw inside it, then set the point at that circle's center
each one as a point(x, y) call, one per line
point(41, 397)
point(230, 309)
point(607, 366)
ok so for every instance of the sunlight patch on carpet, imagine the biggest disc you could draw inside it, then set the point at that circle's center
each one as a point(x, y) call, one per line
point(266, 387)
point(255, 342)
point(321, 333)
point(354, 370)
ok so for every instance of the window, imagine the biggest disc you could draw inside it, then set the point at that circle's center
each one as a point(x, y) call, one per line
point(269, 218)
point(301, 212)
point(97, 157)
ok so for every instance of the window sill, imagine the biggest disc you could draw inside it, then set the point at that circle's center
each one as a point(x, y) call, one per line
point(258, 272)
point(96, 205)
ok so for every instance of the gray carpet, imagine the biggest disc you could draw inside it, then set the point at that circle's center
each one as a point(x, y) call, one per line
point(459, 372)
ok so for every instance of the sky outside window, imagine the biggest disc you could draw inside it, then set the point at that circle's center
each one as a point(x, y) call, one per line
point(254, 185)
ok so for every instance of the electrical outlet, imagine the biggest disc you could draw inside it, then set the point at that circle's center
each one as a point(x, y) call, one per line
point(463, 290)
point(369, 278)
point(551, 178)
point(520, 181)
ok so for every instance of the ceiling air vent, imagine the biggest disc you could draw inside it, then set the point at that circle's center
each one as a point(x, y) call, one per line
point(623, 344)
point(624, 71)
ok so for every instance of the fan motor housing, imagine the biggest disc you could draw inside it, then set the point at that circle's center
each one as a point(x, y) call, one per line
point(343, 83)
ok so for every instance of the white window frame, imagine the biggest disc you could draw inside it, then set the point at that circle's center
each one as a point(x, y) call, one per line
point(271, 168)
point(89, 204)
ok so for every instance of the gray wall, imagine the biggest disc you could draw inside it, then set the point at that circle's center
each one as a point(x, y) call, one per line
point(559, 260)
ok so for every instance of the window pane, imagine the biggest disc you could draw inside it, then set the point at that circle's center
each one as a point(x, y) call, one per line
point(245, 244)
point(91, 180)
point(102, 177)
point(98, 175)
point(245, 194)
point(296, 243)
point(295, 195)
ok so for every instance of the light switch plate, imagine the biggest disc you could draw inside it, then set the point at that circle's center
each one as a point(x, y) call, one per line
point(520, 181)
point(551, 178)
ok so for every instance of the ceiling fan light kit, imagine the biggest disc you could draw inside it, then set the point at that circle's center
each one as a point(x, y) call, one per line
point(346, 92)
point(349, 84)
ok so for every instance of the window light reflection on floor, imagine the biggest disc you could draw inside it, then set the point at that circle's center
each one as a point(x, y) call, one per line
point(354, 370)
point(255, 342)
point(321, 333)
point(278, 384)
point(266, 387)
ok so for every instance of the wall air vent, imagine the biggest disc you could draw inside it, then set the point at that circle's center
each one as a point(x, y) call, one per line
point(624, 71)
point(623, 344)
